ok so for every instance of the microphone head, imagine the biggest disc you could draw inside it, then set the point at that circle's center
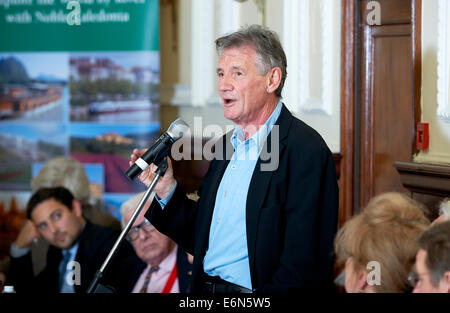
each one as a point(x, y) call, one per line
point(177, 129)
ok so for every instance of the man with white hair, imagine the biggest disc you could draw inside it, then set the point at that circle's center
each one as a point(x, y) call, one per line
point(165, 267)
point(444, 212)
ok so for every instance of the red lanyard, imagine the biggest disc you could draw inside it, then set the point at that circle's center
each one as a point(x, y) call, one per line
point(171, 280)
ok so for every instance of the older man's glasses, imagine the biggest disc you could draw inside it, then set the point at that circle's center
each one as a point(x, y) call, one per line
point(146, 226)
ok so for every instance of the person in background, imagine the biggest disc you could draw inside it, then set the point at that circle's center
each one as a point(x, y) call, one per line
point(54, 214)
point(431, 272)
point(165, 267)
point(71, 174)
point(384, 232)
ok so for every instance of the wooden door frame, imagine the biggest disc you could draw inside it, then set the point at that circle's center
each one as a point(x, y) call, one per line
point(347, 132)
point(349, 93)
point(416, 11)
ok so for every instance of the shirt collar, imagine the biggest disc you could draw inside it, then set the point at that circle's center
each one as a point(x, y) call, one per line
point(72, 250)
point(261, 135)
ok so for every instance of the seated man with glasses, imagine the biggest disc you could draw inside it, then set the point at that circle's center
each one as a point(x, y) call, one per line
point(165, 267)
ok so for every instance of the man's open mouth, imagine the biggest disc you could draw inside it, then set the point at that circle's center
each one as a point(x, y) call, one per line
point(228, 101)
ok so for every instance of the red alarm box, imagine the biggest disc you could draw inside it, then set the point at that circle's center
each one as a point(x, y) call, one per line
point(422, 136)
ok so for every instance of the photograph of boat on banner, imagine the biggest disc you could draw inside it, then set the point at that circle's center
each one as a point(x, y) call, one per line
point(114, 87)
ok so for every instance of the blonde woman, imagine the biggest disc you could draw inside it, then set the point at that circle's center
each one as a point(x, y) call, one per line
point(378, 246)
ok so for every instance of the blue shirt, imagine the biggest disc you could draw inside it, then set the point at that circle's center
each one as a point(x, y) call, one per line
point(227, 255)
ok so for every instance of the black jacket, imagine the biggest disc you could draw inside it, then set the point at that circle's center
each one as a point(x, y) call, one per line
point(291, 213)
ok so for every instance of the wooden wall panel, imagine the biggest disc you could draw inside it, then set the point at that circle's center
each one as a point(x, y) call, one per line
point(427, 183)
point(387, 99)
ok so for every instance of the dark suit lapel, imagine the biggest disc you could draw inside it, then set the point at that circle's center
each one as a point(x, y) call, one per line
point(84, 251)
point(260, 183)
point(184, 270)
point(54, 257)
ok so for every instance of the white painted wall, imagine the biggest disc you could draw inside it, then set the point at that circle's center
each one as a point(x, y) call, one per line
point(439, 149)
point(194, 94)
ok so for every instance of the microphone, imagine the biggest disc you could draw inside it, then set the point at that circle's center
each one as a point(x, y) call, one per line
point(160, 148)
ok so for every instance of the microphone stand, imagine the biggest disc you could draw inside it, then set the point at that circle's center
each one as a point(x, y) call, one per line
point(94, 285)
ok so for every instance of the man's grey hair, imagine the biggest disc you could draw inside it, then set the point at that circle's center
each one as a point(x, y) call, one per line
point(444, 208)
point(267, 45)
point(436, 242)
point(132, 204)
point(64, 172)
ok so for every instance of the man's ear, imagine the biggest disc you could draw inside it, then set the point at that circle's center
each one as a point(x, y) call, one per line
point(362, 279)
point(76, 207)
point(273, 79)
point(446, 281)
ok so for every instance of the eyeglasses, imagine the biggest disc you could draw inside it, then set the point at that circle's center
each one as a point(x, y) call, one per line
point(414, 278)
point(146, 226)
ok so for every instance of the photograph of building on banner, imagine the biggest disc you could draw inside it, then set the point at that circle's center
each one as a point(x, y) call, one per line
point(33, 87)
point(114, 86)
point(111, 145)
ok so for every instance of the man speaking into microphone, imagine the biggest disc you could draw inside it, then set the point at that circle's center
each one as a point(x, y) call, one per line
point(253, 229)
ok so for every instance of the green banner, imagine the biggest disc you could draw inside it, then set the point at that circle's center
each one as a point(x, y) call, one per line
point(78, 79)
point(82, 25)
